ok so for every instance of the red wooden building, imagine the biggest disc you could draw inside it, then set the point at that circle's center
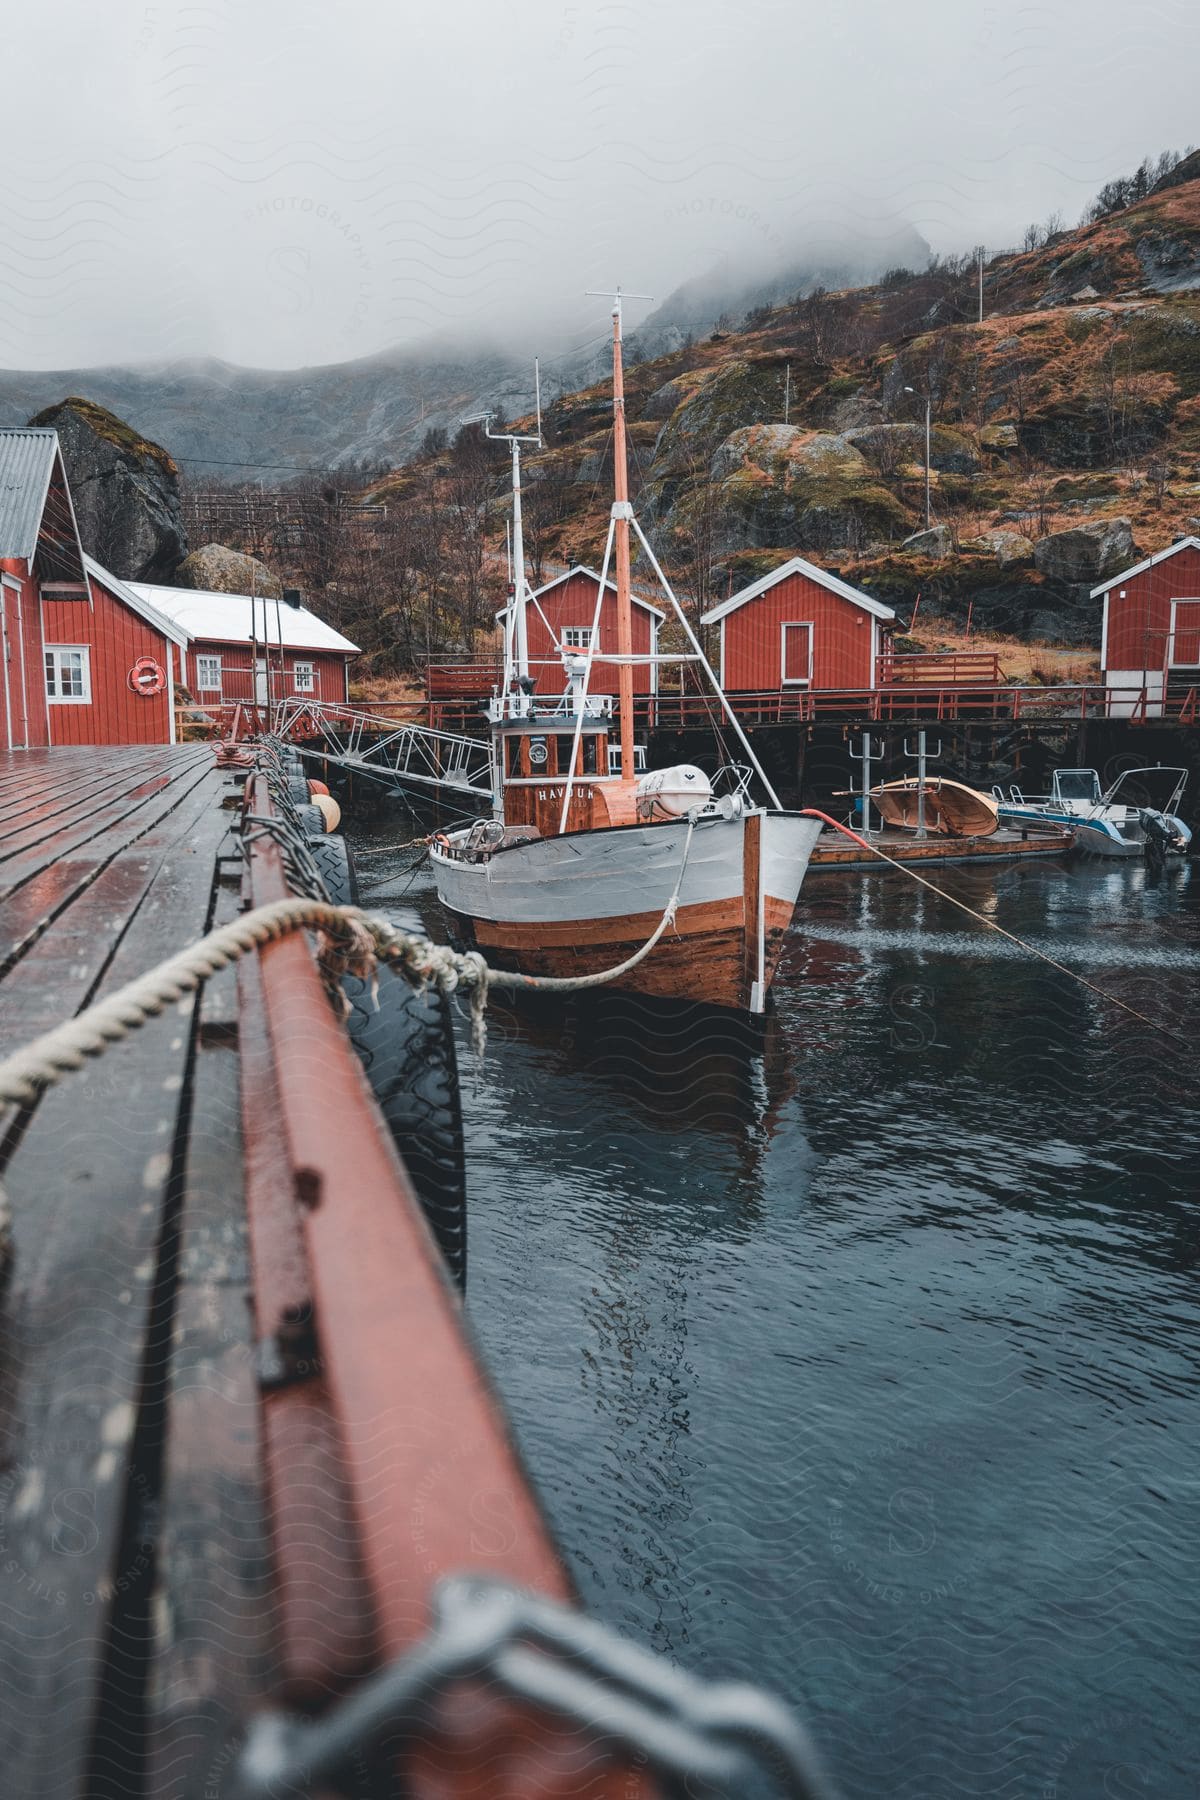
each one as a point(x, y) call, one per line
point(83, 660)
point(561, 615)
point(1150, 632)
point(800, 628)
point(238, 647)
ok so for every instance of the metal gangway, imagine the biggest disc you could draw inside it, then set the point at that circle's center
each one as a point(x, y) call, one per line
point(371, 744)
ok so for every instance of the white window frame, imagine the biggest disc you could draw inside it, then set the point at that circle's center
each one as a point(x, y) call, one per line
point(786, 625)
point(577, 637)
point(203, 658)
point(1173, 661)
point(57, 698)
point(309, 669)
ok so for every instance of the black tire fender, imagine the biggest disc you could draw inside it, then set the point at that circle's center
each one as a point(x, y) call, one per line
point(406, 1047)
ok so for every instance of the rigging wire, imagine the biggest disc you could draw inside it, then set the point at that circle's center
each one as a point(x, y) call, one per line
point(812, 812)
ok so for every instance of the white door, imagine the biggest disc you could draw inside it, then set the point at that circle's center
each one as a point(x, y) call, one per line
point(262, 695)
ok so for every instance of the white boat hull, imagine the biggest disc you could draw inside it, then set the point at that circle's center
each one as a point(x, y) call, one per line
point(587, 900)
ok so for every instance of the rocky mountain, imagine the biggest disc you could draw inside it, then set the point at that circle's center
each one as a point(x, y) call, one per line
point(1064, 429)
point(224, 421)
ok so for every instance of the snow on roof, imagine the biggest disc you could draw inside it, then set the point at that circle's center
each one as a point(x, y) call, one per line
point(126, 595)
point(227, 618)
point(1186, 543)
point(592, 576)
point(798, 566)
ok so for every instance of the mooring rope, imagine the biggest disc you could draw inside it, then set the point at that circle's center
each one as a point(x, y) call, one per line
point(354, 942)
point(811, 812)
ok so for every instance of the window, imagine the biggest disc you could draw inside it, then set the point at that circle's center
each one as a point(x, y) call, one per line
point(208, 674)
point(304, 678)
point(577, 637)
point(797, 655)
point(68, 674)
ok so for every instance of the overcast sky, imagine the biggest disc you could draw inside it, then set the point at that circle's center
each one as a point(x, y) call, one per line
point(280, 182)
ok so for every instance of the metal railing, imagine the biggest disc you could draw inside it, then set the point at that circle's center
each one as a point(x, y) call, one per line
point(375, 744)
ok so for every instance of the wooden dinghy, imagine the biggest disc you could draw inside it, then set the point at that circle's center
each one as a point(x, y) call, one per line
point(951, 808)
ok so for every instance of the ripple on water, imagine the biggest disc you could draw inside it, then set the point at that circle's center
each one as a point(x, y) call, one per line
point(863, 1364)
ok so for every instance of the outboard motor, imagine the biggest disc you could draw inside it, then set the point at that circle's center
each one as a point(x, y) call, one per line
point(1160, 836)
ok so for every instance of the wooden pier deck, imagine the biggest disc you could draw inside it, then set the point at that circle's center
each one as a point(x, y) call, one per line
point(188, 1529)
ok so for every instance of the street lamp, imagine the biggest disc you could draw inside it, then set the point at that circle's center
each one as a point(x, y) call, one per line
point(911, 390)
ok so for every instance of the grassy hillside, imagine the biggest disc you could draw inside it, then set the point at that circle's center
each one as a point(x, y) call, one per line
point(1073, 408)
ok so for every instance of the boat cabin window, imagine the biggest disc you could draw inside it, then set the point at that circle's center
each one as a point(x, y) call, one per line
point(1077, 784)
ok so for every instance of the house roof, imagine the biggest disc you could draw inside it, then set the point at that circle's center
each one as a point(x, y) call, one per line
point(592, 575)
point(1187, 543)
point(226, 618)
point(29, 455)
point(798, 566)
point(135, 602)
point(26, 465)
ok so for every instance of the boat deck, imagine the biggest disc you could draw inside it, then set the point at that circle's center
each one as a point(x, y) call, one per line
point(241, 1430)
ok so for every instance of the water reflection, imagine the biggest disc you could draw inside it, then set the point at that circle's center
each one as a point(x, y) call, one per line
point(858, 1357)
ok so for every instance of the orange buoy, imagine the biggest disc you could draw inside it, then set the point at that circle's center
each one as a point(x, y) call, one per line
point(317, 787)
point(330, 810)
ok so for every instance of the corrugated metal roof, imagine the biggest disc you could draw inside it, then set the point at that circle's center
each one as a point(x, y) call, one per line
point(226, 618)
point(26, 465)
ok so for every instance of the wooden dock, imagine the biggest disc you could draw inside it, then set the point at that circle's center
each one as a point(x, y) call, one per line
point(242, 1433)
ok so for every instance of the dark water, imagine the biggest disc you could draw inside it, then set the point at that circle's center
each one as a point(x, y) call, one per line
point(860, 1360)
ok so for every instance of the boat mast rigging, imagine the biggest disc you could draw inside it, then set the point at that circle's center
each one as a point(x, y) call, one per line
point(516, 635)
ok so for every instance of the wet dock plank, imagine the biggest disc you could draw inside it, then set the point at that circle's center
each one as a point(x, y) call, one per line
point(94, 1182)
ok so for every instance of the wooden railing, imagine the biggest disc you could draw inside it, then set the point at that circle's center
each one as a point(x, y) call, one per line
point(465, 680)
point(945, 669)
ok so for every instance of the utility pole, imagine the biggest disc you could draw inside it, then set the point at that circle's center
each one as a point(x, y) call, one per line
point(981, 284)
point(912, 390)
point(787, 392)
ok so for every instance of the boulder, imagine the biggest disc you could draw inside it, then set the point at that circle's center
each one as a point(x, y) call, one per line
point(781, 486)
point(718, 401)
point(998, 438)
point(664, 400)
point(214, 569)
point(889, 446)
point(1010, 548)
point(1086, 553)
point(934, 542)
point(125, 490)
point(791, 452)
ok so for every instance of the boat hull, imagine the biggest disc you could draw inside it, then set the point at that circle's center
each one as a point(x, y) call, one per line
point(587, 901)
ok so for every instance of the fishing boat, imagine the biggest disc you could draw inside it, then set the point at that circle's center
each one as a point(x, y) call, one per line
point(936, 804)
point(1122, 820)
point(584, 854)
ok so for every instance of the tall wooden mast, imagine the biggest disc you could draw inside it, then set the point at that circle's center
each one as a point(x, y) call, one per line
point(621, 516)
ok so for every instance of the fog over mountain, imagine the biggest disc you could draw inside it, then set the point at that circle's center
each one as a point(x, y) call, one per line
point(286, 185)
point(400, 207)
point(220, 420)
